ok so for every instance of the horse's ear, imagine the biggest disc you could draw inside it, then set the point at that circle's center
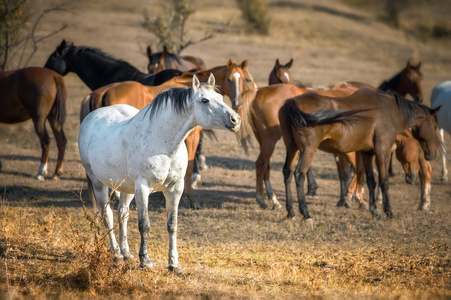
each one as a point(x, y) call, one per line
point(289, 63)
point(196, 83)
point(408, 65)
point(244, 64)
point(229, 63)
point(61, 47)
point(435, 110)
point(277, 64)
point(165, 51)
point(211, 80)
point(149, 52)
point(418, 66)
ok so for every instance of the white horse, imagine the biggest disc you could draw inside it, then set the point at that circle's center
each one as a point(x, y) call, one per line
point(441, 96)
point(140, 152)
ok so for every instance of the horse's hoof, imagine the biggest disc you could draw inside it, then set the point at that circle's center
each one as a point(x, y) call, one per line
point(347, 202)
point(291, 215)
point(128, 256)
point(376, 215)
point(309, 222)
point(262, 204)
point(276, 206)
point(145, 263)
point(312, 195)
point(56, 178)
point(363, 206)
point(341, 203)
point(196, 182)
point(195, 206)
point(39, 177)
point(118, 259)
point(175, 269)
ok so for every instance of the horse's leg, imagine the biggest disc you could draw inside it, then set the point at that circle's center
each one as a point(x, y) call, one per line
point(61, 142)
point(142, 191)
point(39, 127)
point(191, 143)
point(262, 170)
point(443, 154)
point(382, 161)
point(360, 176)
point(106, 214)
point(390, 165)
point(305, 162)
point(312, 186)
point(288, 168)
point(263, 165)
point(344, 176)
point(197, 164)
point(172, 203)
point(367, 160)
point(425, 180)
point(123, 212)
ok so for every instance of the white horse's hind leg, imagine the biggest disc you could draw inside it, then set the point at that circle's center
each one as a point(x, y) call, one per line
point(172, 204)
point(443, 154)
point(101, 194)
point(123, 212)
point(142, 191)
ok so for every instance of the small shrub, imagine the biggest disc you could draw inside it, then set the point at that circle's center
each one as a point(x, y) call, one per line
point(255, 12)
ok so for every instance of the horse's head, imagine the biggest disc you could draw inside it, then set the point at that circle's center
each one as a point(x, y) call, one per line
point(235, 81)
point(408, 153)
point(57, 60)
point(156, 61)
point(410, 82)
point(281, 73)
point(426, 132)
point(209, 108)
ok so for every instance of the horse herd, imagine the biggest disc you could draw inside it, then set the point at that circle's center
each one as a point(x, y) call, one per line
point(134, 126)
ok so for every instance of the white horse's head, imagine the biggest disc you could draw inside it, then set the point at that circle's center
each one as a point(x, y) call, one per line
point(209, 108)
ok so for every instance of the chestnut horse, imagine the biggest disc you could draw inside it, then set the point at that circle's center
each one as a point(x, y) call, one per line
point(38, 94)
point(138, 95)
point(366, 121)
point(163, 60)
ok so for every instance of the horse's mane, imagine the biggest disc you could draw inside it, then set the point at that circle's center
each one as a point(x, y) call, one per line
point(178, 98)
point(244, 134)
point(408, 107)
point(74, 50)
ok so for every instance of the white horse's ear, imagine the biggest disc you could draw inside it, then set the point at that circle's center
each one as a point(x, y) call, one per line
point(196, 83)
point(211, 79)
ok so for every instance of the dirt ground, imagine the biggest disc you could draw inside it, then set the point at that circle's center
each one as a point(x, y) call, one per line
point(330, 42)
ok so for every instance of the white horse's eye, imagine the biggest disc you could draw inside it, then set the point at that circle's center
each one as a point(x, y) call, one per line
point(205, 100)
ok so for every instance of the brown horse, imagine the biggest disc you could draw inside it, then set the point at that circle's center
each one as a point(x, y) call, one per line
point(407, 81)
point(259, 114)
point(138, 95)
point(38, 94)
point(411, 156)
point(166, 60)
point(280, 73)
point(366, 121)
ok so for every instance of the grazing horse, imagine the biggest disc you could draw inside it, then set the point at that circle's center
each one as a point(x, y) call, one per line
point(407, 81)
point(280, 73)
point(138, 95)
point(166, 60)
point(441, 96)
point(96, 68)
point(38, 94)
point(367, 121)
point(139, 152)
point(259, 113)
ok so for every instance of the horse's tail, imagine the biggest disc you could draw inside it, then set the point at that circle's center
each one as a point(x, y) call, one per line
point(92, 195)
point(244, 134)
point(60, 100)
point(299, 119)
point(85, 107)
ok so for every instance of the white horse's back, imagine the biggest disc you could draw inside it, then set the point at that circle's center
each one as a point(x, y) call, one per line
point(441, 95)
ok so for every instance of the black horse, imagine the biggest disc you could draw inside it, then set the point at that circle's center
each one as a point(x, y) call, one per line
point(97, 69)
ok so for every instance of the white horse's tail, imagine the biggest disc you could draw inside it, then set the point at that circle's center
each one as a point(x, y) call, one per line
point(93, 197)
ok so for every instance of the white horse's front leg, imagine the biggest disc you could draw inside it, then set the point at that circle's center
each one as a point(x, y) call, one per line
point(142, 191)
point(123, 212)
point(172, 203)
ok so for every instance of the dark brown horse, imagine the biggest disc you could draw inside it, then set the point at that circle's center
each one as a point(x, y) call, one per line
point(259, 114)
point(163, 60)
point(366, 121)
point(407, 81)
point(38, 94)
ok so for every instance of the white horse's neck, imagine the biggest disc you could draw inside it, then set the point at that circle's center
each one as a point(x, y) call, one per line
point(168, 130)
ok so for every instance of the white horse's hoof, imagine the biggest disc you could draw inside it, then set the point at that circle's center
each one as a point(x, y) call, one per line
point(39, 177)
point(175, 269)
point(309, 222)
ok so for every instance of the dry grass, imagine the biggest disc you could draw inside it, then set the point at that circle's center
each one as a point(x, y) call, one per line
point(50, 247)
